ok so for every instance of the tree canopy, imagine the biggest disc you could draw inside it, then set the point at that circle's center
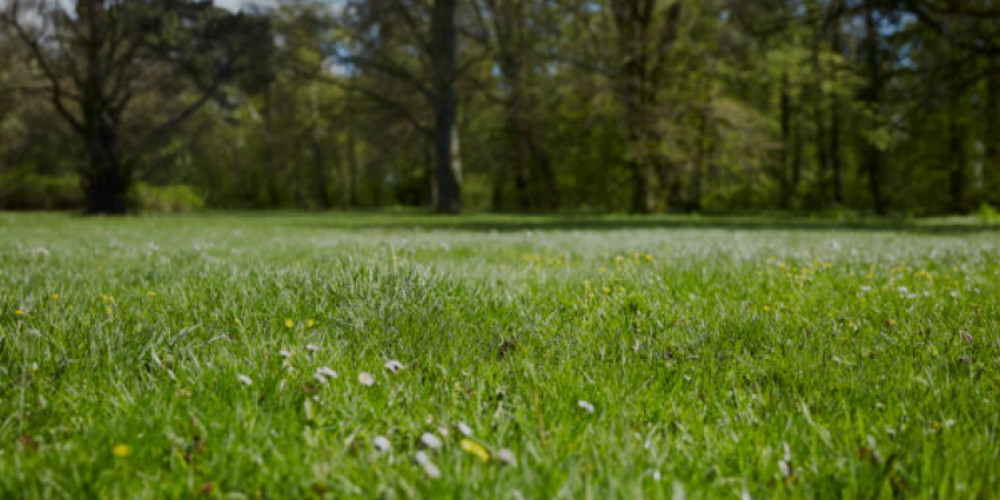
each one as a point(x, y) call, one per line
point(528, 105)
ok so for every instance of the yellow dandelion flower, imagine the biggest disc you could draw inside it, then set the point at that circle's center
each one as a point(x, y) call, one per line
point(108, 310)
point(310, 322)
point(151, 293)
point(473, 448)
point(289, 323)
point(121, 450)
point(18, 312)
point(55, 296)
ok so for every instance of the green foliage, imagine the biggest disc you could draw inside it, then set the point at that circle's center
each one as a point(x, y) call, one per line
point(25, 190)
point(172, 198)
point(988, 213)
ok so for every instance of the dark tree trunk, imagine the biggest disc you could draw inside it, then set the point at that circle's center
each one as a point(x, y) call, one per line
point(873, 157)
point(322, 195)
point(701, 161)
point(836, 159)
point(106, 179)
point(786, 144)
point(956, 166)
point(351, 186)
point(819, 99)
point(991, 135)
point(444, 51)
point(542, 161)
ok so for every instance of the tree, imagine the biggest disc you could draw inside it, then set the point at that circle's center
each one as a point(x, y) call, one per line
point(100, 59)
point(644, 33)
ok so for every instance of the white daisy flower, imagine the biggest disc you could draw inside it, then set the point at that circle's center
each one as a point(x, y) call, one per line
point(506, 457)
point(425, 463)
point(585, 406)
point(382, 444)
point(465, 429)
point(431, 441)
point(312, 347)
point(394, 366)
point(245, 379)
point(366, 379)
point(326, 372)
point(285, 353)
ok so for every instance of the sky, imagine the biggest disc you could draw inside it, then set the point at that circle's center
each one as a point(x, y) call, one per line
point(235, 4)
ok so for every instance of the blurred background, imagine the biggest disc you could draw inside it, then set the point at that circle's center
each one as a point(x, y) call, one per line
point(712, 106)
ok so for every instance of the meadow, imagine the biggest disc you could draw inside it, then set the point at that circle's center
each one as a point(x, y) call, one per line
point(397, 356)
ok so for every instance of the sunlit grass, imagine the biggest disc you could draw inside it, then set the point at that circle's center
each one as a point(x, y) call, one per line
point(296, 356)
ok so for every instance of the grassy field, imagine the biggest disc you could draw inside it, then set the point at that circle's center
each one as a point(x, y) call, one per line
point(547, 357)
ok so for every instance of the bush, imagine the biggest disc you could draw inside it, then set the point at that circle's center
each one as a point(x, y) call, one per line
point(173, 198)
point(29, 191)
point(988, 213)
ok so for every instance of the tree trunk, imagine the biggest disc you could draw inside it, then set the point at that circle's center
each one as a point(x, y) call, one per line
point(872, 154)
point(444, 50)
point(836, 159)
point(991, 135)
point(106, 179)
point(786, 139)
point(323, 196)
point(701, 160)
point(956, 154)
point(822, 154)
point(541, 159)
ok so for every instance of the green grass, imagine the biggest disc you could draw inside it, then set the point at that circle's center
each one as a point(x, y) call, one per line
point(723, 357)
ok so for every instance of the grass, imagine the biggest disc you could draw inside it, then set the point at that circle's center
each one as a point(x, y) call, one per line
point(721, 357)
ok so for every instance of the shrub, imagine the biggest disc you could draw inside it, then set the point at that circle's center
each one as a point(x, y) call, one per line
point(30, 191)
point(988, 213)
point(172, 198)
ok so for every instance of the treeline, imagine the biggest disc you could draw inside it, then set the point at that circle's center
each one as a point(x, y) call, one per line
point(528, 105)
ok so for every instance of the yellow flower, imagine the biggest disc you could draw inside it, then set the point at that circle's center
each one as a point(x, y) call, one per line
point(473, 448)
point(151, 293)
point(107, 310)
point(55, 296)
point(18, 312)
point(310, 322)
point(289, 323)
point(121, 450)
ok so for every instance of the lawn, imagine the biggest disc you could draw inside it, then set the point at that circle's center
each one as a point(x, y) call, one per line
point(592, 357)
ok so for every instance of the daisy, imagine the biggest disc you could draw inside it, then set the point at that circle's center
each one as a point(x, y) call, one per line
point(424, 461)
point(382, 444)
point(366, 379)
point(431, 441)
point(507, 457)
point(585, 406)
point(245, 379)
point(394, 366)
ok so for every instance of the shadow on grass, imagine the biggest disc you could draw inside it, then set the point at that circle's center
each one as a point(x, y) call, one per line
point(514, 223)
